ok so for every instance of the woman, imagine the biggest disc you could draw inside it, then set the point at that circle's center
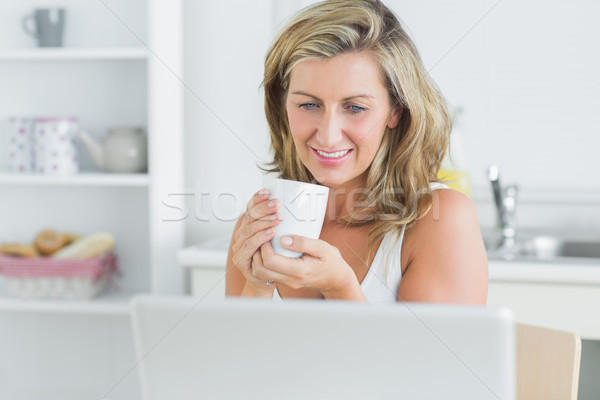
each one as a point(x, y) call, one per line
point(350, 106)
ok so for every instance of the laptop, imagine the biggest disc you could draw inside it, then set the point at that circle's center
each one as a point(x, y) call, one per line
point(313, 349)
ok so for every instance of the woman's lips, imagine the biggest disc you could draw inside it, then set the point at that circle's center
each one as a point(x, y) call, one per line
point(331, 157)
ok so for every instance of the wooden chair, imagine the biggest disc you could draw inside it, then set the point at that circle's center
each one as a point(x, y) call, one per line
point(547, 363)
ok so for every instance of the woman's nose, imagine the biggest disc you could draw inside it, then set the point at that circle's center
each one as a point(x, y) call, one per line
point(329, 131)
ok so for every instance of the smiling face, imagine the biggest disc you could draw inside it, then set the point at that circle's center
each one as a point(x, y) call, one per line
point(338, 110)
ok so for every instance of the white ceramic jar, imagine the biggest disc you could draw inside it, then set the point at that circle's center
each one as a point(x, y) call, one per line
point(55, 151)
point(19, 155)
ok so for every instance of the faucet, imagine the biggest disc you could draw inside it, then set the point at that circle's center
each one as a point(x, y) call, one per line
point(506, 205)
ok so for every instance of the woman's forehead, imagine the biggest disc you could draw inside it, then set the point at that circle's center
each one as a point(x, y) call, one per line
point(347, 75)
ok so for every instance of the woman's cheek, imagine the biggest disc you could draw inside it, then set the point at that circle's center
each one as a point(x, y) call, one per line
point(298, 122)
point(294, 123)
point(368, 130)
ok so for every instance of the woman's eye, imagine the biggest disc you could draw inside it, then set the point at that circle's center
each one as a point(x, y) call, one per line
point(308, 106)
point(352, 108)
point(356, 109)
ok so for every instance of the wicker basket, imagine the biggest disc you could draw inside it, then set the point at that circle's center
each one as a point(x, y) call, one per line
point(46, 277)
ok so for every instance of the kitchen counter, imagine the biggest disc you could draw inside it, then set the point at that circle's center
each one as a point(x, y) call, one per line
point(213, 255)
point(561, 295)
point(565, 272)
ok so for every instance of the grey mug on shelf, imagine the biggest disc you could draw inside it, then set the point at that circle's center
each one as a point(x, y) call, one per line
point(48, 26)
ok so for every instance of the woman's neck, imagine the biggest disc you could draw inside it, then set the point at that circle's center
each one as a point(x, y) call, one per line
point(342, 198)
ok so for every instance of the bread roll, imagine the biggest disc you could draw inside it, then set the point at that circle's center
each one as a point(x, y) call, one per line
point(20, 250)
point(71, 237)
point(88, 246)
point(48, 242)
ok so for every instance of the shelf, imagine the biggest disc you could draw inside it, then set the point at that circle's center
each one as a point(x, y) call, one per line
point(82, 53)
point(211, 254)
point(80, 179)
point(108, 303)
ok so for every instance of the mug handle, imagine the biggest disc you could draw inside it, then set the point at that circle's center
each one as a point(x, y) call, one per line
point(26, 25)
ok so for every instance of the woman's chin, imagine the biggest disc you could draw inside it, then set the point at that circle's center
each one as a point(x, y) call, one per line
point(340, 180)
point(331, 182)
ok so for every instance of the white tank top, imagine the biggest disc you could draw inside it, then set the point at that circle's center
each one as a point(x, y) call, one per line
point(381, 285)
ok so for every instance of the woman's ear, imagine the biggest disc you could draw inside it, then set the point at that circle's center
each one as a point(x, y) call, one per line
point(395, 117)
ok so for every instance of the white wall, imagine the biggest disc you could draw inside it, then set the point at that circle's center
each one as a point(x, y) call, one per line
point(524, 72)
point(226, 131)
point(526, 75)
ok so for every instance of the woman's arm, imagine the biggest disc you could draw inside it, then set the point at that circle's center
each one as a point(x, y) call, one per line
point(447, 261)
point(234, 279)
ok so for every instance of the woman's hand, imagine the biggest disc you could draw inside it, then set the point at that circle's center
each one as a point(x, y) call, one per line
point(256, 228)
point(321, 267)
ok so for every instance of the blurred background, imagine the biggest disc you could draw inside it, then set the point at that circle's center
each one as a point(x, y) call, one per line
point(523, 74)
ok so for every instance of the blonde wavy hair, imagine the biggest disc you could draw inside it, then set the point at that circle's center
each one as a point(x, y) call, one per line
point(409, 157)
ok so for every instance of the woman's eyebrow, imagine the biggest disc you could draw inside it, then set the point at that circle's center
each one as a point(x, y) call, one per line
point(300, 92)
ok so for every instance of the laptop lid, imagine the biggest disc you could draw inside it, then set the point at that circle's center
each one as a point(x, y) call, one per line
point(313, 349)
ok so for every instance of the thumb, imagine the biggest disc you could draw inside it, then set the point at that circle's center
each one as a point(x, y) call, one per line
point(302, 244)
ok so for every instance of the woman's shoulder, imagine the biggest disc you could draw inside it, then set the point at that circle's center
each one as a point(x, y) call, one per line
point(450, 209)
point(444, 258)
point(449, 202)
point(452, 216)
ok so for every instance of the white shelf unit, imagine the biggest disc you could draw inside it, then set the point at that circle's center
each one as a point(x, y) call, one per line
point(121, 64)
point(129, 73)
point(82, 53)
point(110, 304)
point(80, 179)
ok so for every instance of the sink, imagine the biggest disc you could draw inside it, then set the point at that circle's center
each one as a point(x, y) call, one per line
point(545, 247)
point(549, 247)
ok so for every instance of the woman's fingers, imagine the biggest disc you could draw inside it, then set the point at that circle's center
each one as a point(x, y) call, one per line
point(262, 272)
point(251, 244)
point(254, 242)
point(257, 227)
point(260, 206)
point(260, 196)
point(321, 267)
point(264, 223)
point(254, 234)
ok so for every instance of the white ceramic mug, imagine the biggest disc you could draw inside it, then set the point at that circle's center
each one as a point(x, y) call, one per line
point(20, 147)
point(55, 151)
point(302, 207)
